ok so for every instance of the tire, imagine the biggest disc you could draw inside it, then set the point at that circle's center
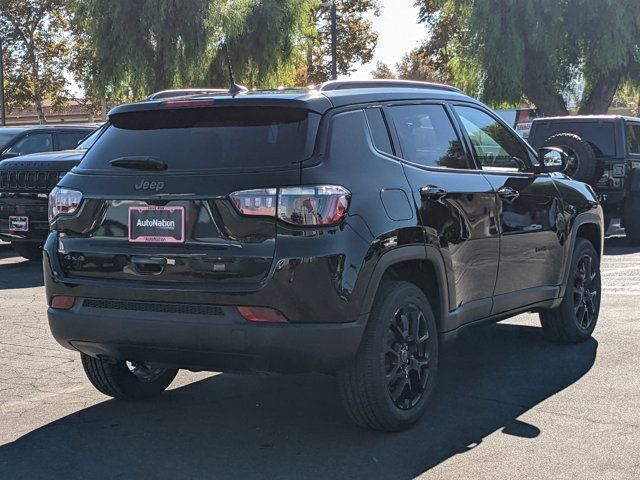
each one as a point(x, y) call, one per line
point(118, 380)
point(566, 324)
point(582, 164)
point(29, 250)
point(365, 389)
point(631, 219)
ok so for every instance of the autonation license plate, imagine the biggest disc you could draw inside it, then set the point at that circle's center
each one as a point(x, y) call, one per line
point(156, 224)
point(18, 224)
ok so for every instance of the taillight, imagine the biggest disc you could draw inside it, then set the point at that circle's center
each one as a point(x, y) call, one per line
point(260, 202)
point(63, 201)
point(315, 205)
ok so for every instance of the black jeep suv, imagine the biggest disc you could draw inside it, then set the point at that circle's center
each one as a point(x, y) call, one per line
point(349, 229)
point(25, 183)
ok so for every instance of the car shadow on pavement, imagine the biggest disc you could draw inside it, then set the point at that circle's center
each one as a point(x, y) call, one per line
point(619, 245)
point(272, 426)
point(616, 243)
point(19, 274)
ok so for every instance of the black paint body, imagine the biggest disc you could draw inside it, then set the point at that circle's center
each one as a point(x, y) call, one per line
point(485, 258)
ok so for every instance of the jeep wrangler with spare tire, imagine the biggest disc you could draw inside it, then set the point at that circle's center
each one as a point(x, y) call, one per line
point(603, 151)
point(349, 229)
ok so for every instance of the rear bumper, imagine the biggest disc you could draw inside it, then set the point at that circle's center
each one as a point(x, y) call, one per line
point(222, 341)
point(200, 328)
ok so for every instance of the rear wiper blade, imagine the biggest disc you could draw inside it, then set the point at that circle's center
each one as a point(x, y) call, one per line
point(139, 163)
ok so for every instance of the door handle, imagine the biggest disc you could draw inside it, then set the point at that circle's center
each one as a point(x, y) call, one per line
point(508, 194)
point(431, 192)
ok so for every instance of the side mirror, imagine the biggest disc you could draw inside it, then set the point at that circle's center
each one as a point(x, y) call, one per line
point(551, 159)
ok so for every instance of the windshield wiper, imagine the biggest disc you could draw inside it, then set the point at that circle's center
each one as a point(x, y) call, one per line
point(139, 163)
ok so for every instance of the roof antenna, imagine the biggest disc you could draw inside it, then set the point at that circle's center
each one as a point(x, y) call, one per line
point(234, 89)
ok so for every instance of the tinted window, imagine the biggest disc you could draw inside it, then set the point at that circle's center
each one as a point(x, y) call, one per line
point(5, 138)
point(379, 131)
point(91, 139)
point(34, 143)
point(633, 139)
point(427, 136)
point(70, 140)
point(496, 147)
point(208, 138)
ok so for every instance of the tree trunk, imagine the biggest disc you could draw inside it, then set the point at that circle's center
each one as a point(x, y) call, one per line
point(309, 62)
point(103, 108)
point(37, 96)
point(598, 100)
point(552, 105)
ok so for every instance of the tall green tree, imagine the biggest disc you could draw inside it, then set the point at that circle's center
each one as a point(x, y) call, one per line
point(37, 52)
point(382, 71)
point(538, 50)
point(415, 65)
point(264, 40)
point(145, 45)
point(150, 45)
point(357, 39)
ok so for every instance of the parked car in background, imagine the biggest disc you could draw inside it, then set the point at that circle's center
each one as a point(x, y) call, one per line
point(520, 119)
point(24, 140)
point(25, 183)
point(604, 151)
point(349, 230)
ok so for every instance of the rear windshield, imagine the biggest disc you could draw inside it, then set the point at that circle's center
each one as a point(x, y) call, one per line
point(208, 138)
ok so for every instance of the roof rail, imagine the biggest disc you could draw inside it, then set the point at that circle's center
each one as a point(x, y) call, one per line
point(346, 84)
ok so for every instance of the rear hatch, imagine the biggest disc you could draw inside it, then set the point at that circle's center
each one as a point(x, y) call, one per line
point(156, 186)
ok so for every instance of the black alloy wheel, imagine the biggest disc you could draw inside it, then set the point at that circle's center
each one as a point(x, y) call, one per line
point(586, 291)
point(574, 320)
point(408, 357)
point(145, 371)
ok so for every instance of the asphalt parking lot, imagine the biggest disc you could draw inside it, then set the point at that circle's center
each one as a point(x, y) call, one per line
point(509, 405)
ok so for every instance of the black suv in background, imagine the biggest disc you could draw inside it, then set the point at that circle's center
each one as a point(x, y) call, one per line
point(603, 151)
point(24, 140)
point(25, 183)
point(349, 229)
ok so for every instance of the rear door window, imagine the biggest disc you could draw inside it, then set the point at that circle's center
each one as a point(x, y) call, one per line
point(427, 136)
point(215, 138)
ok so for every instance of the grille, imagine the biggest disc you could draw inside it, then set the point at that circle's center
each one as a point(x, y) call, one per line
point(157, 307)
point(38, 181)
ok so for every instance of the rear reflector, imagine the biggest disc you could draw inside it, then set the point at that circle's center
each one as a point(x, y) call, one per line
point(63, 302)
point(262, 315)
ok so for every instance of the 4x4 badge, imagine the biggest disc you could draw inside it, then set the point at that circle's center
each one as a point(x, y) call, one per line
point(147, 185)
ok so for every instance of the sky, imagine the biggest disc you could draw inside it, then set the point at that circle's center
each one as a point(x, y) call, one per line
point(398, 33)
